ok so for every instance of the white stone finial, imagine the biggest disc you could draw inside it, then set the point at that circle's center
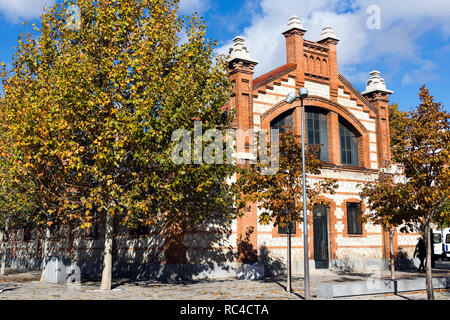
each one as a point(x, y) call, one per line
point(240, 51)
point(376, 83)
point(294, 23)
point(328, 32)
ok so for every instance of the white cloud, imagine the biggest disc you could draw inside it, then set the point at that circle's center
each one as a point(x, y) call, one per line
point(16, 10)
point(426, 72)
point(402, 24)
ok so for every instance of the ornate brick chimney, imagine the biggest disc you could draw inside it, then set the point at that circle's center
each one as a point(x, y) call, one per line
point(294, 33)
point(329, 39)
point(240, 69)
point(377, 94)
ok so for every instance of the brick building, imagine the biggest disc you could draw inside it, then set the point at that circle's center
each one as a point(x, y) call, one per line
point(353, 128)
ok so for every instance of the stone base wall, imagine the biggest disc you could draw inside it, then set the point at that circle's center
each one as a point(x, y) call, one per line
point(140, 271)
point(213, 247)
point(209, 254)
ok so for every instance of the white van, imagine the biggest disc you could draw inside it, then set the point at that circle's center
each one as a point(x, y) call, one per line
point(438, 246)
point(446, 242)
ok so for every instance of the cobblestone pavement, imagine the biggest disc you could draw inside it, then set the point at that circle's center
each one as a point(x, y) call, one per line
point(26, 286)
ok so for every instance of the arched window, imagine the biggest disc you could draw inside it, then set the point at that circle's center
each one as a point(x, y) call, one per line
point(311, 64)
point(318, 65)
point(305, 63)
point(316, 131)
point(283, 122)
point(349, 143)
point(324, 68)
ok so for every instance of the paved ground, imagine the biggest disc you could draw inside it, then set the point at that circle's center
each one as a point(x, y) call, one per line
point(18, 285)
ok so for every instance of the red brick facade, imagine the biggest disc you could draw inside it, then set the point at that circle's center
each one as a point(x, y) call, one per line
point(258, 101)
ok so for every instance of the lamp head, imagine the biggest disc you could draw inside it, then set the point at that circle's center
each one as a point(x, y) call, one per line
point(303, 93)
point(290, 98)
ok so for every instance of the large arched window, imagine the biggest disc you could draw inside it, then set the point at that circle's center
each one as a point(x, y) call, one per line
point(316, 128)
point(349, 143)
point(316, 131)
point(283, 122)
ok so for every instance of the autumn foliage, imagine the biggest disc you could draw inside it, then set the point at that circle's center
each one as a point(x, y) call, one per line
point(280, 196)
point(421, 146)
point(88, 114)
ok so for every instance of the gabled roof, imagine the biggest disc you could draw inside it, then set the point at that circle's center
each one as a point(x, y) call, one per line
point(350, 87)
point(272, 75)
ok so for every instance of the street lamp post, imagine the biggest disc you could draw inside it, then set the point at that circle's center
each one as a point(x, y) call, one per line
point(291, 97)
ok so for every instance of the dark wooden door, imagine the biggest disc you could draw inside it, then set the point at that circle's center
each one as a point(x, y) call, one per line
point(320, 228)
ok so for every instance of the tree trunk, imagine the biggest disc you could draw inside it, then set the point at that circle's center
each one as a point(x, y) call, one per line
point(3, 254)
point(289, 269)
point(46, 252)
point(174, 249)
point(107, 255)
point(391, 248)
point(429, 277)
point(70, 249)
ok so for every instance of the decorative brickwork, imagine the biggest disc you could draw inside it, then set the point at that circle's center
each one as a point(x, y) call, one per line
point(314, 66)
point(257, 102)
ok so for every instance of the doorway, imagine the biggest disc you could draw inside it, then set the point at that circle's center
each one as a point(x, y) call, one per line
point(320, 229)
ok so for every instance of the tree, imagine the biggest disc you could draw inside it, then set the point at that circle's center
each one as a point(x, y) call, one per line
point(387, 203)
point(442, 217)
point(18, 206)
point(18, 198)
point(425, 156)
point(397, 121)
point(423, 152)
point(426, 162)
point(279, 196)
point(14, 215)
point(90, 112)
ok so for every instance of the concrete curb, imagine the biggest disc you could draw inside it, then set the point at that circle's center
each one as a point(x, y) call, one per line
point(377, 286)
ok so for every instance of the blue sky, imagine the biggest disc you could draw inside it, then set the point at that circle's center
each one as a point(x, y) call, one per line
point(410, 48)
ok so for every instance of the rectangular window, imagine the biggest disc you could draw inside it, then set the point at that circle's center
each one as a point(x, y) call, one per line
point(284, 229)
point(316, 132)
point(349, 145)
point(447, 238)
point(354, 224)
point(437, 238)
